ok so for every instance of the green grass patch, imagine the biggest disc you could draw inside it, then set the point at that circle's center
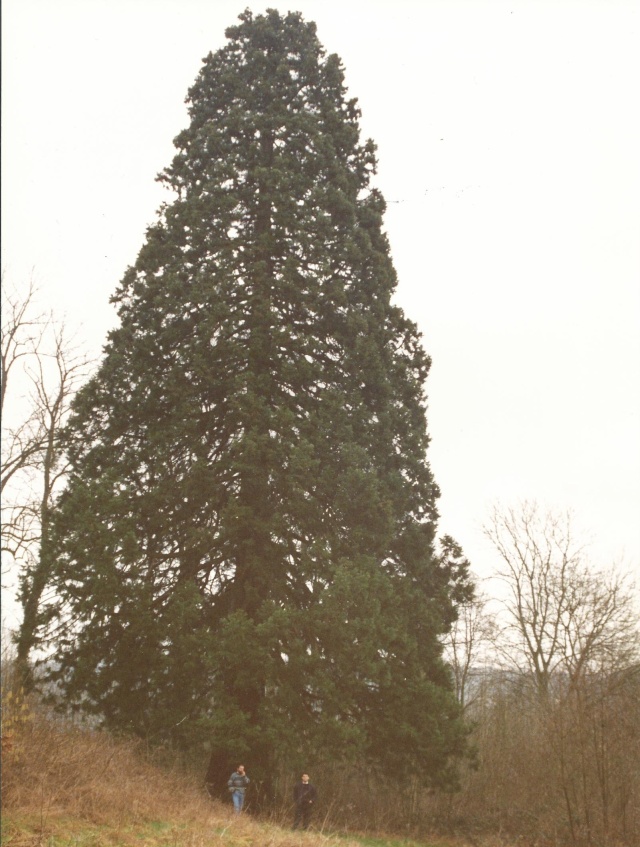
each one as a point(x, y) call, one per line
point(27, 832)
point(20, 830)
point(386, 841)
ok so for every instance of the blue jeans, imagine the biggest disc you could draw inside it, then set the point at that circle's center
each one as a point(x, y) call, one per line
point(238, 800)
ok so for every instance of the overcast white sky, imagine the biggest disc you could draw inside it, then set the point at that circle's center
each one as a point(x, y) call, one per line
point(508, 137)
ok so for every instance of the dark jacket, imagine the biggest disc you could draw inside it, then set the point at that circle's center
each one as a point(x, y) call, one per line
point(304, 794)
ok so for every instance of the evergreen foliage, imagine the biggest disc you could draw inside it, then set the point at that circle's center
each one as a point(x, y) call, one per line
point(246, 549)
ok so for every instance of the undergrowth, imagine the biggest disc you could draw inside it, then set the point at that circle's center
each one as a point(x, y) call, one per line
point(68, 786)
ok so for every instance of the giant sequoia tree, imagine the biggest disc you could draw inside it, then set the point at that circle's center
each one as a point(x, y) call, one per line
point(246, 548)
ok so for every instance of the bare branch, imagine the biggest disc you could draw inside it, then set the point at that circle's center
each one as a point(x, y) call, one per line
point(466, 644)
point(21, 332)
point(566, 618)
point(34, 467)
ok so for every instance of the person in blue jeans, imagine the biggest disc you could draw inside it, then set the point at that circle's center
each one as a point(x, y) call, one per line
point(237, 783)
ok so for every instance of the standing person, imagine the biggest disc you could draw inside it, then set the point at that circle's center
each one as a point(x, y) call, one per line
point(304, 796)
point(237, 783)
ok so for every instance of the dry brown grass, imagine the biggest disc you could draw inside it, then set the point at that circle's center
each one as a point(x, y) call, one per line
point(67, 785)
point(57, 767)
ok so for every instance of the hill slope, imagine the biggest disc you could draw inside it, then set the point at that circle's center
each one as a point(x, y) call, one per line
point(63, 785)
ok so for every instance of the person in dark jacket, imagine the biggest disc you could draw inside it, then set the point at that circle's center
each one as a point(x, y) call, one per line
point(237, 785)
point(304, 796)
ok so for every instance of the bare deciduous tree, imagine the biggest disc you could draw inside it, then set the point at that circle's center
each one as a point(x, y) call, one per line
point(561, 614)
point(538, 555)
point(40, 374)
point(599, 623)
point(466, 645)
point(22, 331)
point(561, 765)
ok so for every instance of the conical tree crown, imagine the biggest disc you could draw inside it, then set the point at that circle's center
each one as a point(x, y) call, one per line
point(251, 455)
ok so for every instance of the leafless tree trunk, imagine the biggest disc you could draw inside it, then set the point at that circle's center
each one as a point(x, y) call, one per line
point(539, 560)
point(574, 631)
point(40, 374)
point(563, 617)
point(22, 442)
point(466, 645)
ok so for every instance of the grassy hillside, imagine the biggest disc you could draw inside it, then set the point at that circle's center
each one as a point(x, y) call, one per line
point(65, 786)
